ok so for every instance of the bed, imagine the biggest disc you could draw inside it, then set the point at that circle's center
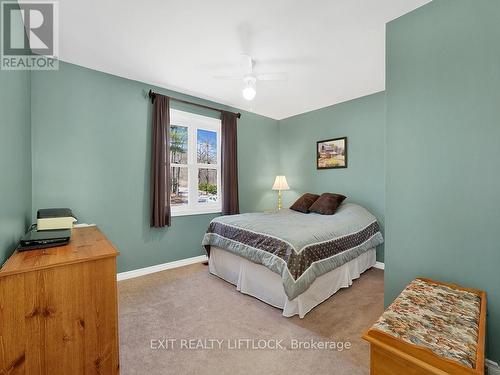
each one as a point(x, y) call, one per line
point(291, 260)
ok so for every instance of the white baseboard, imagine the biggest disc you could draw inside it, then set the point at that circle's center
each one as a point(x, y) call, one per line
point(179, 263)
point(493, 368)
point(160, 267)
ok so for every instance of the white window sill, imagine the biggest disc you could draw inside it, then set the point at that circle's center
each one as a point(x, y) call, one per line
point(196, 212)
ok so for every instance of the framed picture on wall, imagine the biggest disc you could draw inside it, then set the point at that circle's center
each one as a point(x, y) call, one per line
point(331, 153)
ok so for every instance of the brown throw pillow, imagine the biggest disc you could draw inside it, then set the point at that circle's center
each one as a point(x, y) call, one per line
point(327, 203)
point(304, 202)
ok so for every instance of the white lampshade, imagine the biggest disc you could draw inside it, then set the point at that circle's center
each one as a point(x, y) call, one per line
point(280, 183)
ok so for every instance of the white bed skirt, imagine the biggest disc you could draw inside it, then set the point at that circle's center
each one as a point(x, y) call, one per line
point(260, 282)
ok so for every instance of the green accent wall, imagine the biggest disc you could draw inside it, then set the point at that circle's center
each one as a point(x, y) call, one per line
point(91, 152)
point(443, 150)
point(362, 121)
point(15, 159)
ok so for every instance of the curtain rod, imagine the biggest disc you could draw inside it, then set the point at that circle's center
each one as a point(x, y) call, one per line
point(153, 94)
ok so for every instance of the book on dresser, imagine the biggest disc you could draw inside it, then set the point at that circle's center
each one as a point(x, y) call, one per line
point(59, 308)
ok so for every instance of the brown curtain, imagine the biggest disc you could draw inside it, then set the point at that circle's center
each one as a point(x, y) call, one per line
point(160, 163)
point(230, 205)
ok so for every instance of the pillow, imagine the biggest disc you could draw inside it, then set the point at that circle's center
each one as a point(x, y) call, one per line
point(304, 202)
point(327, 203)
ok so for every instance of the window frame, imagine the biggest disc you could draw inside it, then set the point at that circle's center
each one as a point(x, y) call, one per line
point(193, 122)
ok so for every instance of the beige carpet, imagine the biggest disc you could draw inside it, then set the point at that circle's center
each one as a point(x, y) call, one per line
point(189, 303)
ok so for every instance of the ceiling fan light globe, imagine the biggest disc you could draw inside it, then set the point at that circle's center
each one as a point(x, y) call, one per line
point(249, 93)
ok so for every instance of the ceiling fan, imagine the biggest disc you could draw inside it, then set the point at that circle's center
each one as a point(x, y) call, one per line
point(250, 78)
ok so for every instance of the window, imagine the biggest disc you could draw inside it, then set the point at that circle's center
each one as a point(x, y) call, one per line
point(194, 164)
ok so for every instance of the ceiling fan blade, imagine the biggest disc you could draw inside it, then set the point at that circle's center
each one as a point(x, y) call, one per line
point(221, 66)
point(272, 77)
point(228, 77)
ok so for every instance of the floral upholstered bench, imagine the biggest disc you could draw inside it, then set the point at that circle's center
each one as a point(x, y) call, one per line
point(431, 328)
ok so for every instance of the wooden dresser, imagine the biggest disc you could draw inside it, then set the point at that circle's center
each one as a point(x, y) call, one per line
point(58, 308)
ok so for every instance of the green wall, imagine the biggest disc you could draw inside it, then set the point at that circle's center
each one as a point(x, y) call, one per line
point(362, 121)
point(443, 150)
point(15, 159)
point(91, 138)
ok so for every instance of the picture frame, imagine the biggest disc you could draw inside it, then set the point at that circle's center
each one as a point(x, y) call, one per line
point(331, 153)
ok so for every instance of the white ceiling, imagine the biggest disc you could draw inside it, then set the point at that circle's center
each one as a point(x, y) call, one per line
point(331, 50)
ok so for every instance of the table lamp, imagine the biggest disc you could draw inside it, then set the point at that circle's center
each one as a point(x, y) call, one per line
point(280, 184)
